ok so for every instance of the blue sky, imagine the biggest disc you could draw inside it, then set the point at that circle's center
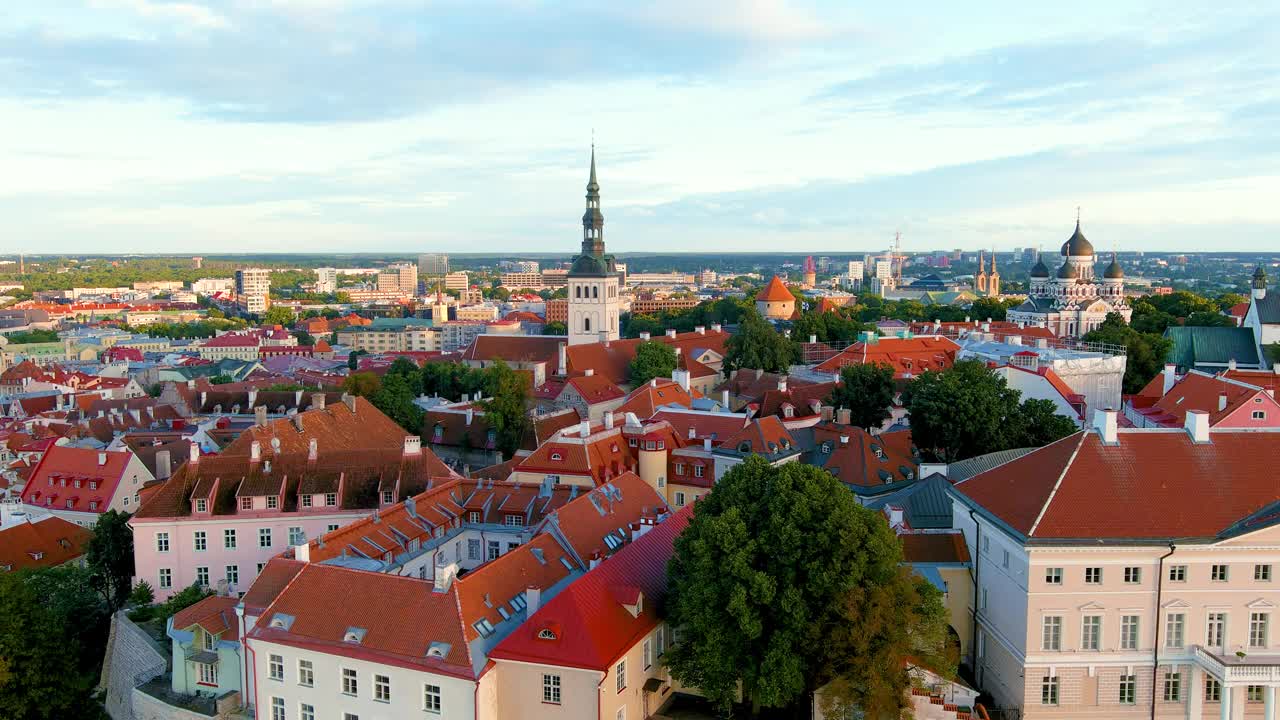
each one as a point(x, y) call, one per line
point(435, 125)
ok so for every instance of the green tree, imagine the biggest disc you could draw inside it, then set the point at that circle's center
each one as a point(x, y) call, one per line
point(142, 594)
point(988, 308)
point(362, 384)
point(506, 409)
point(555, 328)
point(109, 557)
point(757, 345)
point(279, 315)
point(653, 359)
point(33, 336)
point(769, 586)
point(395, 399)
point(1146, 352)
point(353, 358)
point(1272, 353)
point(222, 379)
point(967, 410)
point(867, 390)
point(303, 337)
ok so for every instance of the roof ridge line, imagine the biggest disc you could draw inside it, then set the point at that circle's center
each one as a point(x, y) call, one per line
point(1084, 435)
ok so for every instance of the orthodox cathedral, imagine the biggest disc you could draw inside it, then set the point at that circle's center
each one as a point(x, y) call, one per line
point(1075, 300)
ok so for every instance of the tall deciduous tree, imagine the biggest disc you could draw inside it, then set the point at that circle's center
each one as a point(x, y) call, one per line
point(775, 563)
point(395, 399)
point(506, 410)
point(109, 557)
point(653, 359)
point(866, 390)
point(757, 345)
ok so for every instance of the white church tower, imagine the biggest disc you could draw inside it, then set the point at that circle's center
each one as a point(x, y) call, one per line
point(593, 280)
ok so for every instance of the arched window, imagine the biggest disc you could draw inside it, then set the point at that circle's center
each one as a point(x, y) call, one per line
point(586, 324)
point(595, 291)
point(577, 291)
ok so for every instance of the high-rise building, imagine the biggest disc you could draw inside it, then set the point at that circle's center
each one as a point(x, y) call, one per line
point(253, 289)
point(400, 278)
point(857, 269)
point(593, 280)
point(326, 280)
point(433, 265)
point(456, 281)
point(197, 262)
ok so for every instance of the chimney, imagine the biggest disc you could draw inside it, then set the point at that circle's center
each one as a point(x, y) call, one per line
point(844, 416)
point(317, 401)
point(782, 383)
point(724, 399)
point(584, 428)
point(194, 457)
point(102, 458)
point(1014, 340)
point(350, 401)
point(1222, 402)
point(313, 449)
point(532, 600)
point(828, 413)
point(700, 329)
point(1170, 377)
point(253, 396)
point(986, 326)
point(1231, 364)
point(1105, 422)
point(813, 339)
point(693, 432)
point(412, 445)
point(706, 444)
point(444, 577)
point(297, 421)
point(563, 359)
point(715, 327)
point(589, 372)
point(471, 414)
point(1197, 424)
point(844, 439)
point(681, 378)
point(671, 333)
point(608, 420)
point(644, 336)
point(163, 470)
point(870, 337)
point(255, 451)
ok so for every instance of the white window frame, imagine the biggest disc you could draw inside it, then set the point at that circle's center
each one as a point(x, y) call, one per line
point(200, 541)
point(306, 673)
point(264, 537)
point(620, 675)
point(1053, 576)
point(275, 667)
point(350, 682)
point(1050, 690)
point(1091, 632)
point(208, 674)
point(432, 701)
point(551, 689)
point(229, 539)
point(1051, 632)
point(1175, 630)
point(162, 542)
point(381, 688)
point(1259, 630)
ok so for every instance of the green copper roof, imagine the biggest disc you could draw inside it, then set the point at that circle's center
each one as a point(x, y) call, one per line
point(1195, 346)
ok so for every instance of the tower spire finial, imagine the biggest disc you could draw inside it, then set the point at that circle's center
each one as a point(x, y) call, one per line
point(1077, 217)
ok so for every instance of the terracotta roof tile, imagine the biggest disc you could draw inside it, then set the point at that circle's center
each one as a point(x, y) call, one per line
point(775, 291)
point(45, 542)
point(215, 614)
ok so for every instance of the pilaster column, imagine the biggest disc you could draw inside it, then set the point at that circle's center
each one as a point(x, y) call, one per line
point(1195, 694)
point(1225, 705)
point(1269, 703)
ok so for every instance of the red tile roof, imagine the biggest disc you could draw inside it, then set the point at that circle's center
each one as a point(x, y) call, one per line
point(946, 547)
point(1199, 391)
point(645, 400)
point(53, 481)
point(483, 590)
point(858, 458)
point(907, 356)
point(586, 521)
point(775, 291)
point(590, 624)
point(1152, 484)
point(45, 541)
point(764, 436)
point(1265, 379)
point(516, 349)
point(604, 455)
point(273, 579)
point(215, 615)
point(717, 426)
point(595, 388)
point(334, 427)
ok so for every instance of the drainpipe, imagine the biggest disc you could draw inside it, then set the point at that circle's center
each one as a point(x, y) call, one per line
point(254, 653)
point(977, 567)
point(1155, 651)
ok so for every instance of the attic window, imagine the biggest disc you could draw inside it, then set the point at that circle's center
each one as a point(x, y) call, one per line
point(281, 621)
point(354, 635)
point(744, 446)
point(202, 505)
point(484, 627)
point(438, 650)
point(246, 503)
point(546, 634)
point(518, 603)
point(826, 447)
point(613, 448)
point(633, 442)
point(93, 484)
point(506, 615)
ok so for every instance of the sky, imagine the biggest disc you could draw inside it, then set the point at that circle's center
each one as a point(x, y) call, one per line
point(208, 126)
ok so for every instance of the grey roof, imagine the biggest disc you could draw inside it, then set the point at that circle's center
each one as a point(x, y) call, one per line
point(965, 469)
point(926, 503)
point(1269, 308)
point(1077, 244)
point(1036, 305)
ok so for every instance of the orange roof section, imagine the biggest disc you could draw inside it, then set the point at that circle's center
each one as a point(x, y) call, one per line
point(775, 291)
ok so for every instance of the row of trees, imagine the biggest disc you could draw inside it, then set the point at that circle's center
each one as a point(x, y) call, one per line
point(206, 328)
point(507, 394)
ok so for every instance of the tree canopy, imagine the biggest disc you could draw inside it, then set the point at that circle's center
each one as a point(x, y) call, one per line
point(280, 315)
point(866, 390)
point(653, 359)
point(967, 410)
point(109, 556)
point(757, 345)
point(506, 409)
point(1146, 352)
point(782, 584)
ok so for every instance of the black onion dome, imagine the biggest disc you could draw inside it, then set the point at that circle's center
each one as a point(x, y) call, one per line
point(1077, 244)
point(1113, 271)
point(1067, 271)
point(1040, 270)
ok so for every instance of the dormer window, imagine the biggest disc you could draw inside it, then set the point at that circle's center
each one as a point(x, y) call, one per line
point(437, 434)
point(354, 635)
point(202, 505)
point(546, 634)
point(484, 627)
point(698, 470)
point(246, 503)
point(556, 455)
point(473, 516)
point(93, 484)
point(273, 502)
point(331, 499)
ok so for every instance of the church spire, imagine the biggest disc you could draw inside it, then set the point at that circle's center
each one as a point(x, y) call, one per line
point(593, 219)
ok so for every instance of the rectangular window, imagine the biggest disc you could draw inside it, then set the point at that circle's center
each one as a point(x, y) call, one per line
point(246, 503)
point(162, 542)
point(1255, 693)
point(297, 537)
point(1093, 576)
point(387, 497)
point(1218, 573)
point(264, 537)
point(1174, 629)
point(551, 689)
point(1051, 634)
point(648, 654)
point(698, 470)
point(277, 708)
point(202, 505)
point(1005, 561)
point(166, 578)
point(1215, 626)
point(350, 685)
point(679, 499)
point(202, 576)
point(1049, 690)
point(350, 716)
point(229, 538)
point(233, 574)
point(473, 516)
point(1173, 687)
point(1053, 576)
point(1262, 573)
point(201, 541)
point(1212, 690)
point(275, 667)
point(1258, 626)
point(306, 500)
point(679, 468)
point(306, 712)
point(621, 714)
point(495, 549)
point(1132, 575)
point(273, 502)
point(332, 527)
point(331, 499)
point(473, 549)
point(1128, 689)
point(306, 673)
point(431, 698)
point(208, 674)
point(661, 639)
point(514, 520)
point(1258, 414)
point(382, 688)
point(620, 673)
point(1177, 573)
point(1091, 632)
